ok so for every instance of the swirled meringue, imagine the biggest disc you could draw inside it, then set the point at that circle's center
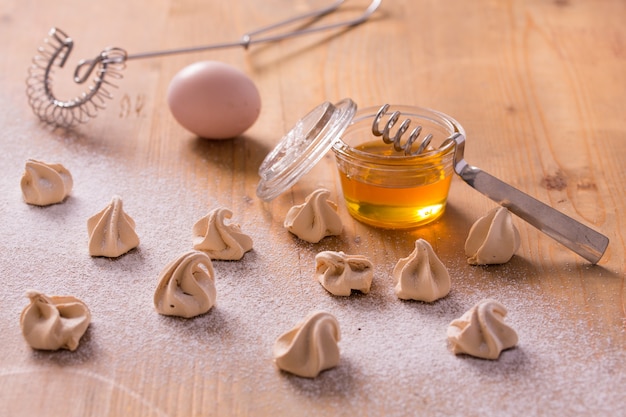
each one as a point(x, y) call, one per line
point(310, 347)
point(54, 322)
point(219, 241)
point(492, 239)
point(315, 219)
point(421, 276)
point(481, 331)
point(111, 231)
point(44, 184)
point(186, 286)
point(339, 273)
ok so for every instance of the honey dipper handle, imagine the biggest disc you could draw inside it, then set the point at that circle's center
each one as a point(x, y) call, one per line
point(574, 235)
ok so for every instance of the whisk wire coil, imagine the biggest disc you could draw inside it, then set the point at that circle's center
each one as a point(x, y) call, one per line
point(396, 139)
point(40, 82)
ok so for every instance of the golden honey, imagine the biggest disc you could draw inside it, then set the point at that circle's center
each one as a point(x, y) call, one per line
point(386, 188)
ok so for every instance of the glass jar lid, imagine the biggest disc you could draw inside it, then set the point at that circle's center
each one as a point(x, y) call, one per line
point(303, 147)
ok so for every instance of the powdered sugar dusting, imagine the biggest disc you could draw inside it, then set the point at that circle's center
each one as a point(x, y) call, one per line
point(395, 360)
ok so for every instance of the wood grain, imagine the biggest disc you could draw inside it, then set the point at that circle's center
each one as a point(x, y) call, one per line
point(538, 85)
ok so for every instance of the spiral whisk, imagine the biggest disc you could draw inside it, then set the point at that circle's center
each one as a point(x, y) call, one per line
point(107, 67)
point(396, 139)
point(57, 47)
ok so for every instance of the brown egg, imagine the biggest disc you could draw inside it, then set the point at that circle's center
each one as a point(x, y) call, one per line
point(213, 100)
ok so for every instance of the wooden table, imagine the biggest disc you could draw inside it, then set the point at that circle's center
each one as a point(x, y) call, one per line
point(539, 88)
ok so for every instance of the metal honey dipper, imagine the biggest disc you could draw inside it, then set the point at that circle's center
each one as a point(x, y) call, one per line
point(574, 235)
point(109, 64)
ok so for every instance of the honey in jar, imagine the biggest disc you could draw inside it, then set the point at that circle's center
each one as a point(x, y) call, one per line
point(393, 189)
point(373, 198)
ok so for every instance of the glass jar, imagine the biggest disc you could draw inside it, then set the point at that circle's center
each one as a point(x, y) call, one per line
point(387, 188)
point(382, 186)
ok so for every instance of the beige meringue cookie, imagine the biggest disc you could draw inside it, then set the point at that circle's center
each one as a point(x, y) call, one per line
point(186, 286)
point(54, 322)
point(421, 276)
point(218, 240)
point(481, 331)
point(44, 184)
point(339, 273)
point(310, 347)
point(111, 231)
point(492, 239)
point(315, 219)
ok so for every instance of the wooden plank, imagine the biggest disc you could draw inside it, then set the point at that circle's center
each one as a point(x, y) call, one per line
point(538, 87)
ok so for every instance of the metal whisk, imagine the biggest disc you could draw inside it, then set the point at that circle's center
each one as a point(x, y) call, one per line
point(574, 235)
point(80, 109)
point(110, 63)
point(396, 140)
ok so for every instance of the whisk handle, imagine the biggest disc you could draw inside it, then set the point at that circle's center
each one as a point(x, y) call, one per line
point(572, 234)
